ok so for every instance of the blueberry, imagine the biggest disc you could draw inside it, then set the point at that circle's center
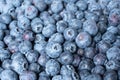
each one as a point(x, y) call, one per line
point(80, 52)
point(99, 59)
point(2, 45)
point(13, 47)
point(49, 30)
point(43, 58)
point(25, 46)
point(52, 67)
point(113, 53)
point(3, 26)
point(83, 74)
point(17, 3)
point(112, 29)
point(56, 37)
point(70, 34)
point(76, 60)
point(75, 23)
point(116, 43)
point(4, 54)
point(102, 26)
point(66, 58)
point(38, 38)
point(6, 64)
point(57, 77)
point(53, 49)
point(40, 46)
point(23, 23)
point(32, 56)
point(86, 64)
point(28, 35)
point(103, 3)
point(79, 15)
point(36, 25)
point(112, 64)
point(31, 12)
point(1, 69)
point(70, 46)
point(93, 77)
point(56, 6)
point(44, 15)
point(28, 75)
point(61, 26)
point(98, 70)
point(19, 64)
point(1, 34)
point(35, 67)
point(56, 17)
point(49, 20)
point(90, 27)
point(83, 40)
point(81, 4)
point(40, 4)
point(71, 7)
point(97, 37)
point(8, 75)
point(72, 1)
point(44, 76)
point(13, 24)
point(90, 52)
point(5, 18)
point(110, 74)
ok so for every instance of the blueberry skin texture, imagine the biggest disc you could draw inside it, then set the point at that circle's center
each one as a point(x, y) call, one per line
point(90, 27)
point(28, 35)
point(53, 49)
point(76, 60)
point(43, 58)
point(61, 26)
point(110, 74)
point(31, 12)
point(40, 46)
point(71, 7)
point(1, 34)
point(2, 45)
point(4, 54)
point(23, 23)
point(52, 67)
point(113, 29)
point(25, 46)
point(32, 56)
point(79, 15)
point(40, 5)
point(70, 34)
point(56, 6)
point(6, 64)
point(113, 53)
point(5, 18)
point(19, 64)
point(39, 37)
point(109, 37)
point(28, 75)
point(83, 40)
point(93, 77)
point(35, 67)
point(86, 64)
point(82, 5)
point(3, 26)
point(98, 70)
point(8, 74)
point(44, 76)
point(66, 58)
point(37, 25)
point(112, 64)
point(83, 74)
point(99, 59)
point(75, 24)
point(56, 37)
point(70, 46)
point(49, 30)
point(57, 77)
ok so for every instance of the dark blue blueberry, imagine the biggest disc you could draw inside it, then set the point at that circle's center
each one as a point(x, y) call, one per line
point(86, 64)
point(53, 49)
point(113, 29)
point(99, 59)
point(93, 77)
point(56, 6)
point(97, 37)
point(6, 64)
point(66, 58)
point(28, 75)
point(98, 70)
point(35, 67)
point(102, 26)
point(32, 56)
point(110, 75)
point(52, 67)
point(8, 75)
point(49, 30)
point(44, 76)
point(83, 74)
point(76, 60)
point(113, 53)
point(81, 4)
point(5, 18)
point(56, 37)
point(70, 34)
point(75, 23)
point(4, 54)
point(83, 40)
point(80, 52)
point(90, 27)
point(70, 46)
point(61, 26)
point(1, 34)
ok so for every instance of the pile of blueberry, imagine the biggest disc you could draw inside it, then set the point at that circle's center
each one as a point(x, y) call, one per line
point(59, 39)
